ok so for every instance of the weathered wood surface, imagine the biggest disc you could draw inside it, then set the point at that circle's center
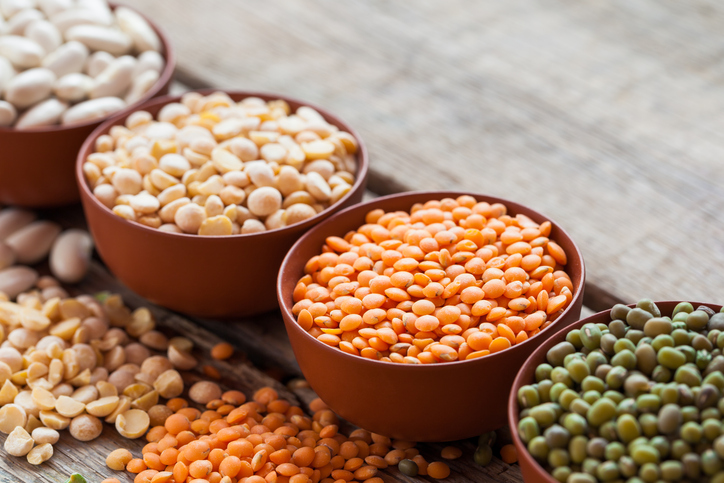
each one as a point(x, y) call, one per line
point(606, 116)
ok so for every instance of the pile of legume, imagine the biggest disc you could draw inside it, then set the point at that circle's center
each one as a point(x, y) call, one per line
point(65, 62)
point(211, 166)
point(266, 439)
point(637, 399)
point(73, 363)
point(25, 240)
point(453, 279)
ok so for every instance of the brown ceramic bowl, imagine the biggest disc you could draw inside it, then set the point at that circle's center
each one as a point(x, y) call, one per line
point(219, 277)
point(36, 166)
point(437, 402)
point(532, 471)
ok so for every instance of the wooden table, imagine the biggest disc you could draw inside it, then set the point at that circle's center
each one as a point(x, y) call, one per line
point(605, 116)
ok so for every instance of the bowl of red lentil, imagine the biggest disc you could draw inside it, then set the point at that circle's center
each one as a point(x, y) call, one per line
point(207, 263)
point(411, 314)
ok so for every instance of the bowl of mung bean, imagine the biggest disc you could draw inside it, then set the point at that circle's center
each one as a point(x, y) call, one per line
point(632, 393)
point(62, 72)
point(410, 314)
point(194, 200)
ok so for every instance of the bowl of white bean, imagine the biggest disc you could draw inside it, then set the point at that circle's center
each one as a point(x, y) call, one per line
point(65, 66)
point(194, 200)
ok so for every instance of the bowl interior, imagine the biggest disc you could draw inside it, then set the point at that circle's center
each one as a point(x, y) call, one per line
point(532, 471)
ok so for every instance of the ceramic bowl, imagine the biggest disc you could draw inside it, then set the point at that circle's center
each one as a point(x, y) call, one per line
point(532, 471)
point(435, 402)
point(36, 167)
point(217, 277)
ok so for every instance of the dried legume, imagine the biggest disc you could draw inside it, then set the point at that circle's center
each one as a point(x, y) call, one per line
point(454, 279)
point(642, 400)
point(214, 167)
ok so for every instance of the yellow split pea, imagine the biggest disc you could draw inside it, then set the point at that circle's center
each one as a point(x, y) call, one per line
point(454, 279)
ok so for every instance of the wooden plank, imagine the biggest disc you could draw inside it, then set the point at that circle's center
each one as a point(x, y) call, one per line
point(603, 116)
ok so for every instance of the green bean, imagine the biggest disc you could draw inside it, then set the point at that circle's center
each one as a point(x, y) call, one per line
point(574, 337)
point(710, 413)
point(575, 424)
point(697, 320)
point(661, 444)
point(561, 474)
point(692, 465)
point(596, 447)
point(590, 336)
point(558, 352)
point(716, 322)
point(649, 424)
point(617, 328)
point(627, 467)
point(580, 406)
point(679, 321)
point(703, 358)
point(708, 396)
point(648, 403)
point(623, 344)
point(691, 432)
point(602, 371)
point(581, 478)
point(688, 375)
point(556, 391)
point(645, 453)
point(627, 406)
point(620, 311)
point(558, 457)
point(614, 396)
point(542, 372)
point(616, 377)
point(637, 318)
point(660, 341)
point(685, 307)
point(681, 337)
point(578, 370)
point(661, 374)
point(624, 358)
point(607, 471)
point(410, 468)
point(482, 456)
point(649, 472)
point(590, 465)
point(614, 451)
point(711, 428)
point(591, 396)
point(544, 390)
point(701, 343)
point(710, 462)
point(715, 379)
point(528, 429)
point(487, 439)
point(557, 436)
point(689, 414)
point(601, 411)
point(686, 396)
point(670, 358)
point(528, 397)
point(595, 359)
point(719, 446)
point(658, 326)
point(649, 306)
point(636, 384)
point(645, 358)
point(670, 418)
point(570, 357)
point(577, 449)
point(607, 343)
point(628, 428)
point(592, 383)
point(538, 448)
point(635, 336)
point(679, 448)
point(560, 374)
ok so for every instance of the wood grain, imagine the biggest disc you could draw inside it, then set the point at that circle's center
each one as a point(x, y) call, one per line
point(606, 116)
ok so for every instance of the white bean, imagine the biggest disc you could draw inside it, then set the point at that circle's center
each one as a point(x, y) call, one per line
point(7, 114)
point(96, 37)
point(13, 219)
point(45, 34)
point(73, 87)
point(46, 113)
point(32, 243)
point(10, 7)
point(98, 62)
point(115, 79)
point(149, 60)
point(69, 58)
point(7, 72)
point(51, 7)
point(141, 85)
point(23, 53)
point(143, 35)
point(30, 87)
point(17, 279)
point(92, 110)
point(72, 17)
point(70, 255)
point(19, 22)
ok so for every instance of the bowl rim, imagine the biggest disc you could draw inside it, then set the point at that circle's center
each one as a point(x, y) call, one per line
point(169, 54)
point(518, 382)
point(292, 325)
point(362, 157)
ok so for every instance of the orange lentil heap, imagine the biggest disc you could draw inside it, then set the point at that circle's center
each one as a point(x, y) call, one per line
point(266, 440)
point(453, 279)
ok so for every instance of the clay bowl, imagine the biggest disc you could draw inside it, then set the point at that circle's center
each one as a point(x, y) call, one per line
point(436, 402)
point(532, 471)
point(217, 277)
point(36, 167)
